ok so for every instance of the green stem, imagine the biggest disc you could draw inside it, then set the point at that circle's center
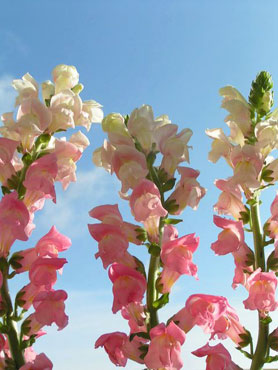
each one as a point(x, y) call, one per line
point(152, 293)
point(261, 348)
point(14, 343)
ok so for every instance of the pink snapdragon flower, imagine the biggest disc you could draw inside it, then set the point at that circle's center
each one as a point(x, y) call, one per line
point(14, 218)
point(217, 357)
point(247, 163)
point(176, 256)
point(188, 191)
point(43, 271)
point(213, 314)
point(41, 362)
point(113, 344)
point(243, 269)
point(50, 307)
point(129, 165)
point(165, 347)
point(26, 295)
point(52, 243)
point(134, 312)
point(230, 200)
point(39, 179)
point(261, 287)
point(26, 258)
point(220, 147)
point(230, 239)
point(7, 151)
point(272, 222)
point(129, 285)
point(33, 110)
point(173, 146)
point(145, 204)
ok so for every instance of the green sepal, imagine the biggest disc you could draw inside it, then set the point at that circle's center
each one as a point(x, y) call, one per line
point(161, 302)
point(3, 264)
point(162, 175)
point(4, 329)
point(245, 217)
point(169, 185)
point(151, 157)
point(28, 342)
point(27, 159)
point(14, 261)
point(171, 206)
point(154, 250)
point(42, 154)
point(5, 190)
point(18, 299)
point(266, 320)
point(250, 258)
point(246, 338)
point(126, 118)
point(273, 342)
point(270, 359)
point(25, 327)
point(272, 262)
point(172, 221)
point(140, 334)
point(245, 353)
point(13, 182)
point(140, 266)
point(266, 175)
point(42, 141)
point(47, 102)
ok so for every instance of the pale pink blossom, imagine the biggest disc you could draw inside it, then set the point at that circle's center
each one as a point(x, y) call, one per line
point(79, 140)
point(146, 207)
point(188, 191)
point(247, 163)
point(272, 223)
point(141, 125)
point(230, 200)
point(32, 109)
point(41, 362)
point(130, 166)
point(165, 347)
point(113, 344)
point(64, 77)
point(218, 358)
point(32, 326)
point(27, 87)
point(14, 217)
point(243, 268)
point(220, 147)
point(261, 287)
point(43, 271)
point(238, 108)
point(91, 113)
point(132, 349)
point(102, 156)
point(52, 243)
point(230, 239)
point(169, 233)
point(129, 285)
point(50, 307)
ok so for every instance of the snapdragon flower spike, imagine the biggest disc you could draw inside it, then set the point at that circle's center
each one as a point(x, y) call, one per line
point(230, 239)
point(261, 287)
point(217, 357)
point(165, 347)
point(176, 256)
point(145, 204)
point(129, 285)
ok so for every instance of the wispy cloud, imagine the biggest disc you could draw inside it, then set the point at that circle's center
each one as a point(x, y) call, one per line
point(7, 94)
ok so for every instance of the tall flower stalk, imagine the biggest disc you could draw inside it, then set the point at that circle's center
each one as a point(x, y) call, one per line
point(253, 136)
point(32, 159)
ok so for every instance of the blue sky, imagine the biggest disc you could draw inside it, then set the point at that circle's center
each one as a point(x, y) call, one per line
point(173, 55)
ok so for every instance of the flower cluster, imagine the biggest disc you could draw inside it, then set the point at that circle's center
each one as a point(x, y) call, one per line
point(253, 137)
point(32, 159)
point(133, 149)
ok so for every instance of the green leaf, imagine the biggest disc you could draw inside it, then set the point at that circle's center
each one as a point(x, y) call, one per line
point(161, 302)
point(270, 359)
point(151, 157)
